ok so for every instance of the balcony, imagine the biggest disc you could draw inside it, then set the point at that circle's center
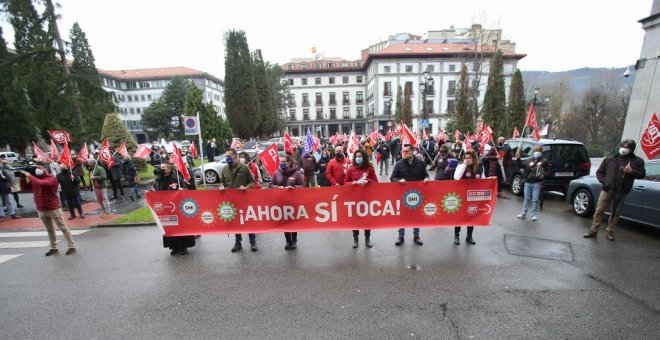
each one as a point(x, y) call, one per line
point(333, 116)
point(360, 115)
point(333, 102)
point(346, 102)
point(292, 118)
point(319, 116)
point(319, 103)
point(305, 103)
point(451, 92)
point(359, 101)
point(387, 94)
point(347, 116)
point(292, 103)
point(306, 117)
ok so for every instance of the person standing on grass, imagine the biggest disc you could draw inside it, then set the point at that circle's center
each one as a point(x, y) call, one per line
point(44, 190)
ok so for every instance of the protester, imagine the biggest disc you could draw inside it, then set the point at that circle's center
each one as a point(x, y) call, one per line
point(369, 147)
point(534, 172)
point(244, 158)
point(115, 177)
point(98, 178)
point(6, 179)
point(504, 151)
point(409, 168)
point(44, 191)
point(337, 167)
point(493, 167)
point(322, 166)
point(616, 174)
point(237, 176)
point(395, 145)
point(457, 150)
point(429, 146)
point(361, 173)
point(70, 185)
point(384, 152)
point(470, 169)
point(155, 157)
point(288, 177)
point(132, 179)
point(444, 164)
point(167, 178)
point(308, 163)
point(80, 172)
point(14, 184)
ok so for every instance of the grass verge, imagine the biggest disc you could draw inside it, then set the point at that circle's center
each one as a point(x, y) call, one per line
point(136, 216)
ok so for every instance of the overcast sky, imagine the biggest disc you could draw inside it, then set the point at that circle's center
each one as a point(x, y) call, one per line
point(556, 35)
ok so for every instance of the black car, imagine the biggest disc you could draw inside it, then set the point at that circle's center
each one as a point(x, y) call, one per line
point(568, 160)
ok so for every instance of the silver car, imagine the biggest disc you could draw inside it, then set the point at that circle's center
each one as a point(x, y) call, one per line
point(642, 204)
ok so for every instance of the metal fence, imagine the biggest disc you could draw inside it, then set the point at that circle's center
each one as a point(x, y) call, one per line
point(601, 149)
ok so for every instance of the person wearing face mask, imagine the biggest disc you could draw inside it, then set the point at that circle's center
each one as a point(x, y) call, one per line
point(361, 173)
point(308, 163)
point(244, 158)
point(44, 191)
point(322, 166)
point(237, 175)
point(288, 177)
point(504, 154)
point(14, 183)
point(337, 167)
point(98, 178)
point(70, 185)
point(616, 174)
point(470, 169)
point(6, 181)
point(444, 164)
point(457, 150)
point(409, 168)
point(383, 149)
point(167, 178)
point(534, 172)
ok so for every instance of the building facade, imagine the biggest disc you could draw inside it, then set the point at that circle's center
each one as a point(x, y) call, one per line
point(331, 95)
point(134, 90)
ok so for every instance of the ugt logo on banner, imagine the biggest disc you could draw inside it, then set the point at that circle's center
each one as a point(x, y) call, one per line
point(191, 126)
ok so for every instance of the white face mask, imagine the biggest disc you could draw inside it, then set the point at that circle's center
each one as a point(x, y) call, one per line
point(38, 172)
point(624, 151)
point(242, 160)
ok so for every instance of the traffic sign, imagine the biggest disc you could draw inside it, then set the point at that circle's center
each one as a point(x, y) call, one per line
point(425, 123)
point(191, 126)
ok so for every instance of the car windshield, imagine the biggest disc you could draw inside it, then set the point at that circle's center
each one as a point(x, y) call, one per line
point(565, 153)
point(249, 145)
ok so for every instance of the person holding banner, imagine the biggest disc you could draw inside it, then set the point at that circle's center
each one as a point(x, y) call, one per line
point(469, 169)
point(534, 173)
point(254, 169)
point(237, 175)
point(409, 168)
point(361, 173)
point(169, 179)
point(98, 178)
point(287, 177)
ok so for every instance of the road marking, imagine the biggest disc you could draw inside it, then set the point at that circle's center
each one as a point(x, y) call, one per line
point(27, 244)
point(5, 258)
point(38, 233)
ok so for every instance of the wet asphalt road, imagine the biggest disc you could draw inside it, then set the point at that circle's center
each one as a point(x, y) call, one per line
point(123, 284)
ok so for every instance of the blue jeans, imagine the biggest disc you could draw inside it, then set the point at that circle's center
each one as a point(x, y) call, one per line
point(532, 193)
point(403, 232)
point(10, 206)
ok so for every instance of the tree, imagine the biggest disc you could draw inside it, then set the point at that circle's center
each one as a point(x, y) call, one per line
point(159, 117)
point(406, 112)
point(462, 118)
point(211, 124)
point(493, 111)
point(116, 133)
point(280, 92)
point(241, 102)
point(157, 120)
point(516, 110)
point(266, 117)
point(398, 112)
point(91, 96)
point(484, 43)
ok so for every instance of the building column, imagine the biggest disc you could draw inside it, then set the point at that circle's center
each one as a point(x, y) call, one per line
point(352, 126)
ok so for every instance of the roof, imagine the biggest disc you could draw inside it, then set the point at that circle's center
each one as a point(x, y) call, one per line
point(546, 141)
point(161, 72)
point(437, 48)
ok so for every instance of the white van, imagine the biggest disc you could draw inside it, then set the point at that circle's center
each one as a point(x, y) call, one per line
point(9, 156)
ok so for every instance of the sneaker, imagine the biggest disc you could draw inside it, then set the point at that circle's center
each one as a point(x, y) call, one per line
point(521, 216)
point(51, 252)
point(590, 234)
point(70, 251)
point(399, 241)
point(19, 206)
point(609, 235)
point(534, 218)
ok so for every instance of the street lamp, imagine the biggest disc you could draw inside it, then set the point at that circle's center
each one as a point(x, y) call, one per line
point(425, 87)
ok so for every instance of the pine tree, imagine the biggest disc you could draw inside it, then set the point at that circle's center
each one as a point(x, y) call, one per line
point(264, 94)
point(94, 101)
point(241, 102)
point(279, 90)
point(462, 118)
point(406, 111)
point(493, 111)
point(116, 133)
point(157, 118)
point(212, 125)
point(516, 110)
point(398, 112)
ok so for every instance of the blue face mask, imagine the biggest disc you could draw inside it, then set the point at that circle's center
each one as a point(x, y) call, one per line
point(537, 154)
point(229, 160)
point(359, 160)
point(282, 166)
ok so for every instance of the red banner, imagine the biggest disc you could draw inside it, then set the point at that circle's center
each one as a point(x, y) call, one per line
point(40, 154)
point(179, 163)
point(66, 156)
point(123, 151)
point(288, 144)
point(650, 140)
point(60, 136)
point(270, 159)
point(142, 151)
point(54, 153)
point(347, 207)
point(193, 150)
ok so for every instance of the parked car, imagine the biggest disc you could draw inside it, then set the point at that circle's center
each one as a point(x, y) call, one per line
point(10, 156)
point(642, 204)
point(211, 171)
point(568, 160)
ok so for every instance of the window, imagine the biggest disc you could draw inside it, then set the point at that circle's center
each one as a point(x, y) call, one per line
point(344, 64)
point(409, 68)
point(319, 112)
point(292, 99)
point(131, 110)
point(358, 98)
point(304, 81)
point(358, 63)
point(388, 89)
point(136, 98)
point(358, 79)
point(345, 98)
point(429, 107)
point(451, 88)
point(331, 80)
point(476, 67)
point(305, 99)
point(319, 99)
point(130, 98)
point(317, 65)
point(305, 114)
point(138, 110)
point(292, 114)
point(346, 113)
point(452, 68)
point(344, 80)
point(303, 66)
point(360, 112)
point(430, 68)
point(387, 69)
point(333, 113)
point(450, 106)
point(149, 97)
point(331, 65)
point(145, 84)
point(333, 101)
point(290, 81)
point(143, 97)
point(317, 81)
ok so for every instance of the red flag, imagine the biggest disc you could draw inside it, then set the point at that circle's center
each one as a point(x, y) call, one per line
point(53, 150)
point(424, 136)
point(288, 144)
point(344, 137)
point(123, 151)
point(480, 126)
point(66, 156)
point(531, 118)
point(270, 159)
point(484, 137)
point(650, 140)
point(516, 134)
point(83, 155)
point(457, 135)
point(40, 154)
point(179, 164)
point(374, 136)
point(317, 143)
point(407, 134)
point(142, 151)
point(193, 150)
point(397, 129)
point(335, 139)
point(442, 136)
point(235, 144)
point(60, 136)
point(537, 134)
point(388, 136)
point(106, 155)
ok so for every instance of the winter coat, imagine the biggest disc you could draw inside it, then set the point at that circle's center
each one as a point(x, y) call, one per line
point(369, 148)
point(44, 191)
point(5, 183)
point(469, 175)
point(415, 171)
point(610, 172)
point(69, 183)
point(442, 172)
point(100, 175)
point(129, 172)
point(163, 182)
point(355, 173)
point(533, 167)
point(115, 170)
point(308, 164)
point(384, 150)
point(335, 170)
point(493, 166)
point(290, 177)
point(321, 167)
point(237, 176)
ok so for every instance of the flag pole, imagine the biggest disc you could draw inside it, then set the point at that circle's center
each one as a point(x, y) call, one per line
point(201, 149)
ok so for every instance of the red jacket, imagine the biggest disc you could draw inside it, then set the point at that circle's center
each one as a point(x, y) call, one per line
point(356, 172)
point(44, 190)
point(335, 170)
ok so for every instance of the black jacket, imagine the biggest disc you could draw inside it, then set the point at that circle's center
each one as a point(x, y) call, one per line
point(531, 168)
point(171, 182)
point(69, 186)
point(415, 171)
point(321, 166)
point(610, 172)
point(384, 150)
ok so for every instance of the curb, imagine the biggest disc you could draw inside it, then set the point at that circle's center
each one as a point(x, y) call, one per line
point(135, 224)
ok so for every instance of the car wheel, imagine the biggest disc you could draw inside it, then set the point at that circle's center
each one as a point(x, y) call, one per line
point(583, 202)
point(517, 185)
point(211, 176)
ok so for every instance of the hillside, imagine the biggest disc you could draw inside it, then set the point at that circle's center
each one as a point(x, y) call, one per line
point(580, 79)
